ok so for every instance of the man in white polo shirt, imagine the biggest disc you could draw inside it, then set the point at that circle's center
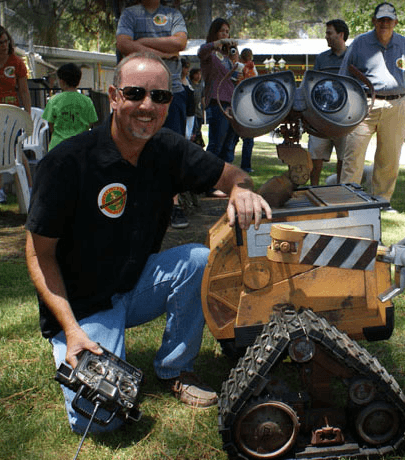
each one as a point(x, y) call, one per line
point(380, 55)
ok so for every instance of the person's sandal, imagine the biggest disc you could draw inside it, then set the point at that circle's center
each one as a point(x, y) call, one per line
point(189, 389)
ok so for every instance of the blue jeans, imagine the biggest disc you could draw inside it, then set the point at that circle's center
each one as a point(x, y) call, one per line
point(197, 125)
point(170, 283)
point(230, 143)
point(221, 136)
point(176, 118)
point(247, 148)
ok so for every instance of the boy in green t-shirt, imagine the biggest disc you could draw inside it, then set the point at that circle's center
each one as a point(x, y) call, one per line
point(70, 112)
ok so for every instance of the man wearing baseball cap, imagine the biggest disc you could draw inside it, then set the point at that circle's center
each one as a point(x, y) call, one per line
point(380, 55)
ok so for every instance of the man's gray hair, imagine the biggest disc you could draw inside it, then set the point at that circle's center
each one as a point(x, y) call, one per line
point(139, 55)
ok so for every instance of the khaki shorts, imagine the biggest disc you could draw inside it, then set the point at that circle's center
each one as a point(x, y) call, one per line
point(321, 149)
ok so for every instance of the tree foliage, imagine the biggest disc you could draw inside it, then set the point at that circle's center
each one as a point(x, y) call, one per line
point(41, 16)
point(80, 24)
point(273, 18)
point(91, 24)
point(358, 16)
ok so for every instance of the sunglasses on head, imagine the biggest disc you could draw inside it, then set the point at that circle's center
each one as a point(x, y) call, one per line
point(137, 93)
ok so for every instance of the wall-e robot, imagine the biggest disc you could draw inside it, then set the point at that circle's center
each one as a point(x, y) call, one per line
point(292, 297)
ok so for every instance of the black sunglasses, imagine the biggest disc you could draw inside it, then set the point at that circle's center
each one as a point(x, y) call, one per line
point(137, 93)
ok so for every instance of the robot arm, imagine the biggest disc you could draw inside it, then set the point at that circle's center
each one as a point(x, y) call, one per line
point(395, 254)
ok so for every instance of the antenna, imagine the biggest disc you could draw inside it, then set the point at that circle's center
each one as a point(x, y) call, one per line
point(96, 407)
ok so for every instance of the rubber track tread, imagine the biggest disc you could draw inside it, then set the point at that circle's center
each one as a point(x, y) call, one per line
point(249, 376)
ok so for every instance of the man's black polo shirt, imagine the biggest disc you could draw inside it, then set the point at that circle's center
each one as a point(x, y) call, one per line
point(109, 215)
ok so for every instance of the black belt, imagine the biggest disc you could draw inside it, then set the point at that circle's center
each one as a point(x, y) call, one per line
point(215, 102)
point(389, 97)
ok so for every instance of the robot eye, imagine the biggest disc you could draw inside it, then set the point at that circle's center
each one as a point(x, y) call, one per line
point(270, 97)
point(329, 96)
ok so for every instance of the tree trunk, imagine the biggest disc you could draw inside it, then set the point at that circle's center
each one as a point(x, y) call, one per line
point(204, 15)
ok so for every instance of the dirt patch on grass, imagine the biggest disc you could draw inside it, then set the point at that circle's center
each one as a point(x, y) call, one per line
point(12, 235)
point(201, 218)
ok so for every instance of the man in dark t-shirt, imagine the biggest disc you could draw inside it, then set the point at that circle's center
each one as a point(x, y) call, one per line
point(100, 207)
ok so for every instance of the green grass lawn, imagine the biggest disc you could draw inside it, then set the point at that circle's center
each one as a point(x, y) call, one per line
point(33, 423)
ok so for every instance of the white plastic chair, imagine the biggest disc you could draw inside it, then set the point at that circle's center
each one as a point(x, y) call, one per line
point(16, 125)
point(38, 141)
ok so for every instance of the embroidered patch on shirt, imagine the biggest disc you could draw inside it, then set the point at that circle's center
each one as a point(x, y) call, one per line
point(160, 20)
point(112, 200)
point(401, 63)
point(9, 71)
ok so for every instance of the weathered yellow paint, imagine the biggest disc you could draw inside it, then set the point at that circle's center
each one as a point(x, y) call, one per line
point(238, 291)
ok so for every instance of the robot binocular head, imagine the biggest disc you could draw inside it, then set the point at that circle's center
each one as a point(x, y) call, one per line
point(329, 105)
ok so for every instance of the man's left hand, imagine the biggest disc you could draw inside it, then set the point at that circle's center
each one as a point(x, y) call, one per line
point(243, 202)
point(247, 205)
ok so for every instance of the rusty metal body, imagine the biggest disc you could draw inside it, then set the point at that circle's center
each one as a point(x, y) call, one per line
point(292, 296)
point(305, 390)
point(243, 282)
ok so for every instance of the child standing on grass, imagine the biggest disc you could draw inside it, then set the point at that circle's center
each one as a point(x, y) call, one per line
point(249, 69)
point(70, 112)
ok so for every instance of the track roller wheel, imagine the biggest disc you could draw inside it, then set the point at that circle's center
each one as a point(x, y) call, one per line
point(377, 423)
point(362, 391)
point(267, 430)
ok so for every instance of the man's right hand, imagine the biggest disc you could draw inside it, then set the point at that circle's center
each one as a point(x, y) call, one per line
point(46, 275)
point(78, 341)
